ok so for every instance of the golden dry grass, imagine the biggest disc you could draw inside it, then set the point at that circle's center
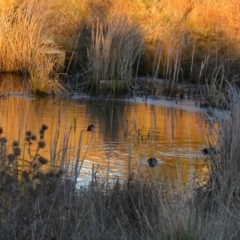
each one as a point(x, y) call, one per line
point(190, 39)
point(115, 46)
point(25, 29)
point(201, 35)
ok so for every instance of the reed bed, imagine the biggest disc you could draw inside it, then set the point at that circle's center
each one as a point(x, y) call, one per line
point(183, 40)
point(25, 31)
point(174, 40)
point(115, 47)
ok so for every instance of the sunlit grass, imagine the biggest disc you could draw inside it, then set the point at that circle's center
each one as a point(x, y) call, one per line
point(182, 40)
point(115, 46)
point(25, 32)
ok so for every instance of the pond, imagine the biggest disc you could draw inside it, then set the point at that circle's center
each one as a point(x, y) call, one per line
point(126, 134)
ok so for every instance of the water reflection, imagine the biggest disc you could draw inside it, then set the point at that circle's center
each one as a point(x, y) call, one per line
point(126, 134)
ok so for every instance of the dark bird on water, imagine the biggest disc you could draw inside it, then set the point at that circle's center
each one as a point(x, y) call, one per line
point(210, 150)
point(152, 162)
point(90, 127)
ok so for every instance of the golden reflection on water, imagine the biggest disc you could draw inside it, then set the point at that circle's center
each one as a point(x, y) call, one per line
point(126, 135)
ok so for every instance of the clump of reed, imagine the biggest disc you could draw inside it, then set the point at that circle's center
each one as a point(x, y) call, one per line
point(25, 31)
point(214, 93)
point(115, 46)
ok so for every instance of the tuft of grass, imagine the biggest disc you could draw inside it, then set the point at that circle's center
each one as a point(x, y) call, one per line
point(215, 93)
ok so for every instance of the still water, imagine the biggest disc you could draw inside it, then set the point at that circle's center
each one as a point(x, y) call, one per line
point(126, 134)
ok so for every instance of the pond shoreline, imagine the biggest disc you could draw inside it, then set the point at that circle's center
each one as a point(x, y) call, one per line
point(190, 103)
point(186, 105)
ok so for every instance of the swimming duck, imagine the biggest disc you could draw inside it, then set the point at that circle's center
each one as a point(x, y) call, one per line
point(152, 162)
point(210, 150)
point(90, 127)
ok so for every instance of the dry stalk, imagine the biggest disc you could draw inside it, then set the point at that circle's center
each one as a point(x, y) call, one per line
point(115, 46)
point(25, 29)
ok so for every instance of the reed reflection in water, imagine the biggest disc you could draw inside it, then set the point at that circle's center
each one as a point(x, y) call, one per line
point(126, 134)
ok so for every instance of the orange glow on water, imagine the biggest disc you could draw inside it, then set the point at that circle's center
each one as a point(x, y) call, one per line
point(126, 134)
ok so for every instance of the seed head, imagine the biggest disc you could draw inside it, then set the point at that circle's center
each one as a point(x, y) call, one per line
point(44, 127)
point(42, 160)
point(11, 157)
point(28, 133)
point(41, 144)
point(17, 151)
point(15, 144)
point(33, 137)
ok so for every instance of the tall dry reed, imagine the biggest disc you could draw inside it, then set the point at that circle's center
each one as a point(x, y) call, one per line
point(220, 192)
point(183, 40)
point(25, 32)
point(115, 47)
